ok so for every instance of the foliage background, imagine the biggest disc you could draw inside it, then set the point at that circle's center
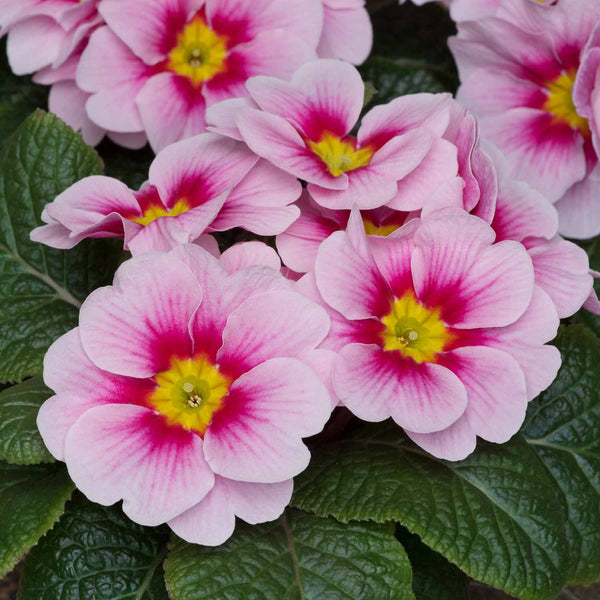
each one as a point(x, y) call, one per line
point(95, 552)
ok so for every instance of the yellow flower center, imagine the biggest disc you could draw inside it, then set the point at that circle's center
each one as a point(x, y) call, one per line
point(199, 54)
point(415, 331)
point(340, 155)
point(155, 211)
point(381, 230)
point(560, 102)
point(190, 393)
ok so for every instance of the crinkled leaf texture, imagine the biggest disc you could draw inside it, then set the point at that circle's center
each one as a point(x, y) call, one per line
point(32, 498)
point(497, 515)
point(20, 440)
point(434, 578)
point(95, 552)
point(41, 287)
point(298, 557)
point(563, 428)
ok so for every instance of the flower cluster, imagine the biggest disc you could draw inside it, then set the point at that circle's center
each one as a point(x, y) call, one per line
point(423, 273)
point(148, 69)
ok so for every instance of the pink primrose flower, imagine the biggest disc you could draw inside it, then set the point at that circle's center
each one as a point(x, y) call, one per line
point(202, 184)
point(522, 214)
point(437, 327)
point(347, 31)
point(528, 75)
point(158, 64)
point(303, 126)
point(45, 33)
point(182, 392)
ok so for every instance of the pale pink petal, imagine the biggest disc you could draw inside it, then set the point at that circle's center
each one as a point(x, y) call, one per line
point(166, 233)
point(220, 117)
point(393, 258)
point(347, 34)
point(241, 21)
point(375, 385)
point(348, 282)
point(275, 139)
point(522, 211)
point(413, 111)
point(67, 101)
point(210, 522)
point(33, 44)
point(524, 339)
point(116, 452)
point(80, 385)
point(299, 243)
point(114, 76)
point(376, 184)
point(489, 92)
point(278, 323)
point(245, 254)
point(199, 169)
point(261, 202)
point(88, 201)
point(549, 156)
point(322, 361)
point(133, 141)
point(439, 165)
point(171, 109)
point(227, 292)
point(324, 95)
point(256, 436)
point(148, 28)
point(256, 57)
point(453, 443)
point(579, 209)
point(562, 271)
point(496, 390)
point(473, 285)
point(259, 502)
point(136, 326)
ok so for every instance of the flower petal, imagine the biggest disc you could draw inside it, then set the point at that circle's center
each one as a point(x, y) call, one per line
point(137, 326)
point(116, 452)
point(375, 385)
point(256, 436)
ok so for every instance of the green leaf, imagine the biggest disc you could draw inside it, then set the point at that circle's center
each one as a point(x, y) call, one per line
point(563, 427)
point(497, 515)
point(41, 288)
point(392, 78)
point(410, 53)
point(434, 578)
point(298, 557)
point(95, 552)
point(19, 97)
point(20, 440)
point(129, 166)
point(32, 498)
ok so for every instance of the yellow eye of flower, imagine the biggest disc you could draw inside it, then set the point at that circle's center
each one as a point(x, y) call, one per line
point(340, 155)
point(415, 331)
point(199, 54)
point(381, 230)
point(560, 104)
point(189, 393)
point(155, 211)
